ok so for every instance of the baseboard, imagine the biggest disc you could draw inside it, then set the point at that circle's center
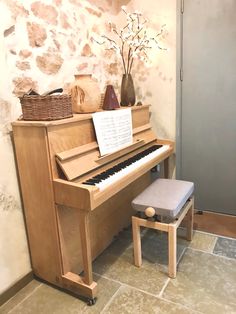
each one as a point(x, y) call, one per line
point(219, 224)
point(10, 292)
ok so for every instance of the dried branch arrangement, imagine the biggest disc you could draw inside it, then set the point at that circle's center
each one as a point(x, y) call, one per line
point(132, 41)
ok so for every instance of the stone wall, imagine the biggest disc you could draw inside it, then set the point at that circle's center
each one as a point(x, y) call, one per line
point(42, 45)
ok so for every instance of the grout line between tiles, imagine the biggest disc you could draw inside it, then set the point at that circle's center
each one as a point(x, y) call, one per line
point(222, 256)
point(140, 290)
point(111, 299)
point(181, 255)
point(184, 306)
point(14, 307)
point(214, 234)
point(168, 279)
point(214, 244)
point(163, 288)
point(125, 284)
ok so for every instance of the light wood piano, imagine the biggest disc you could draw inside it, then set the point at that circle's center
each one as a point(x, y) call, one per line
point(75, 201)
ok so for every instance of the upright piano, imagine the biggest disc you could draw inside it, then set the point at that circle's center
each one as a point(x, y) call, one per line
point(76, 201)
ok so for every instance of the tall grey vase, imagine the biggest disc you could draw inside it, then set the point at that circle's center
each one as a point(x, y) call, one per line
point(127, 91)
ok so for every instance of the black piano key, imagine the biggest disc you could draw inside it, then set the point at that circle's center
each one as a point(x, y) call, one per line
point(87, 182)
point(93, 180)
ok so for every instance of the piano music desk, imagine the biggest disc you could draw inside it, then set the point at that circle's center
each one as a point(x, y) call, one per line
point(70, 223)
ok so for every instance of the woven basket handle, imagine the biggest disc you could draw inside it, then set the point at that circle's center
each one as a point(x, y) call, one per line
point(58, 90)
point(32, 92)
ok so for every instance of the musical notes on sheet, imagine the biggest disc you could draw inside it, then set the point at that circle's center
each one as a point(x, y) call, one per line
point(113, 130)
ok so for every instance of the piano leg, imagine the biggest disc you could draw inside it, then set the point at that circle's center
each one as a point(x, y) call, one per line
point(83, 285)
point(86, 246)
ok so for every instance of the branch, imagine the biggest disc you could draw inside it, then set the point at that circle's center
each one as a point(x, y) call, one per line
point(123, 60)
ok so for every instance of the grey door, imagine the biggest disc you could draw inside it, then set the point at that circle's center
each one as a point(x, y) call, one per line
point(208, 113)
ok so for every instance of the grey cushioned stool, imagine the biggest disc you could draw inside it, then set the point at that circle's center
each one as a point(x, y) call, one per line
point(168, 198)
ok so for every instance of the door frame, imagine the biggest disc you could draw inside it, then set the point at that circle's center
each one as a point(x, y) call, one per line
point(179, 73)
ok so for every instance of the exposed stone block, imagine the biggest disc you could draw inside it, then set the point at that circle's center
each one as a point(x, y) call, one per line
point(108, 54)
point(71, 45)
point(9, 31)
point(93, 12)
point(75, 2)
point(23, 65)
point(23, 85)
point(16, 9)
point(58, 2)
point(25, 53)
point(87, 51)
point(95, 29)
point(37, 34)
point(46, 12)
point(102, 4)
point(49, 63)
point(82, 66)
point(12, 51)
point(112, 68)
point(57, 44)
point(64, 21)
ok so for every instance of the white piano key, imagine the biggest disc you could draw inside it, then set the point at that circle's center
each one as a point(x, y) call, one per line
point(125, 171)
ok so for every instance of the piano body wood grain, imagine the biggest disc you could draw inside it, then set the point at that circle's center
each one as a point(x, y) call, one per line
point(70, 223)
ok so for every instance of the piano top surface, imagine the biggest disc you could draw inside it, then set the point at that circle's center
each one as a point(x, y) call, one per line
point(76, 117)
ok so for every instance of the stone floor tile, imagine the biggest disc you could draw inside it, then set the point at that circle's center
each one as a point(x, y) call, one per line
point(225, 247)
point(121, 244)
point(203, 241)
point(155, 246)
point(21, 295)
point(149, 277)
point(47, 300)
point(128, 300)
point(204, 282)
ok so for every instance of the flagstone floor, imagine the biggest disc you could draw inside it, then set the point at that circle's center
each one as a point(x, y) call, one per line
point(205, 283)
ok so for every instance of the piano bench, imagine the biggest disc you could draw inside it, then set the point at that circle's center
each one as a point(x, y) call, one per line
point(172, 200)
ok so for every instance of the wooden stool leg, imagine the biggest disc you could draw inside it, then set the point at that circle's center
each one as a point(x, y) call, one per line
point(190, 215)
point(136, 241)
point(172, 244)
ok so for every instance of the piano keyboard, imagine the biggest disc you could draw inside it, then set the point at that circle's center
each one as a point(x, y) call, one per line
point(113, 174)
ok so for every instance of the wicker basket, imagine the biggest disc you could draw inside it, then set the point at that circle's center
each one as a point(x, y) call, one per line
point(50, 107)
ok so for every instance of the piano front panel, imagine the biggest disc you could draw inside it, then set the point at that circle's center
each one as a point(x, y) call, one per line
point(105, 222)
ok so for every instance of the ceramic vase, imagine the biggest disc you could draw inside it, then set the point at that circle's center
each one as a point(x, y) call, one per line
point(127, 91)
point(85, 94)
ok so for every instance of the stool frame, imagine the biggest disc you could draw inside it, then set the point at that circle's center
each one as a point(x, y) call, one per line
point(171, 228)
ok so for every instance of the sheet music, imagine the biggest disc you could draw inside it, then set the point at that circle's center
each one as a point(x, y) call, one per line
point(113, 130)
